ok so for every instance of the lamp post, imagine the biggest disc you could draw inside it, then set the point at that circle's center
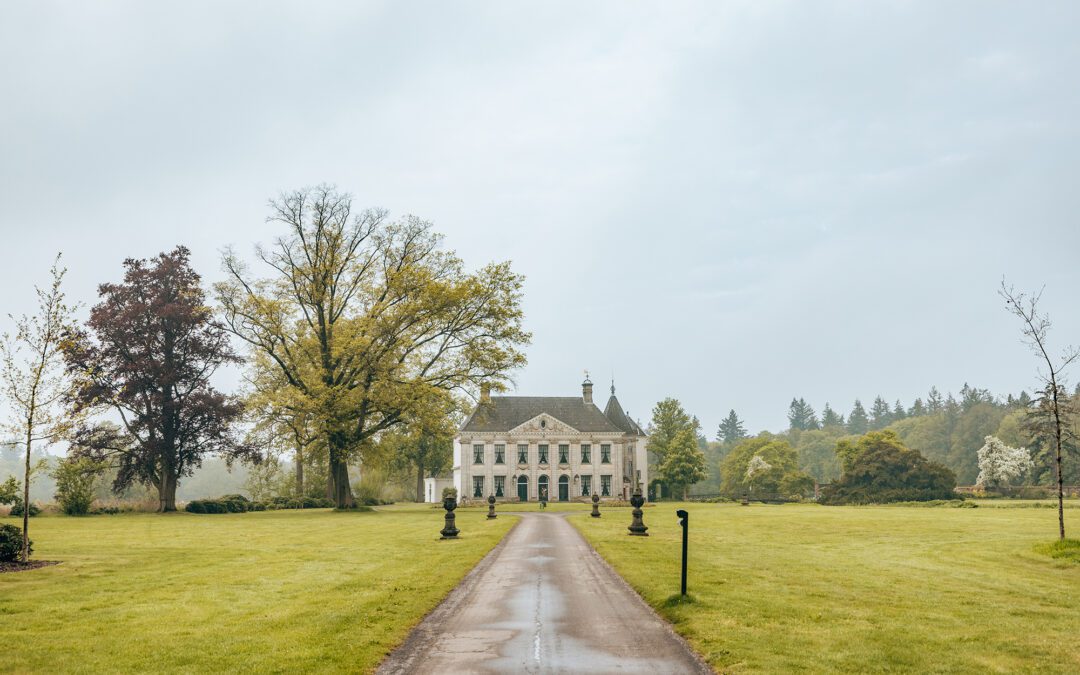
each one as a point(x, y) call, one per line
point(684, 520)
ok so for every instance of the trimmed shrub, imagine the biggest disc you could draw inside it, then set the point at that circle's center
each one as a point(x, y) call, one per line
point(11, 543)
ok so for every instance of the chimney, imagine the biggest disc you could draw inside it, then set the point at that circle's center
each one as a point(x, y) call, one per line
point(586, 390)
point(485, 393)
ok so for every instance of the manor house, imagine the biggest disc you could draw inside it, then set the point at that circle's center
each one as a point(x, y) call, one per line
point(514, 447)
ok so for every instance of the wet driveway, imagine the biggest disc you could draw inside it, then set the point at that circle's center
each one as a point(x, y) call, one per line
point(543, 602)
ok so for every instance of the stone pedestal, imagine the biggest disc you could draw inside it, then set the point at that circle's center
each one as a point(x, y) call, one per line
point(491, 507)
point(449, 530)
point(637, 526)
point(595, 506)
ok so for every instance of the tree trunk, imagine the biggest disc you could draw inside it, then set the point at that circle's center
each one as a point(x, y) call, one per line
point(339, 476)
point(338, 480)
point(1057, 464)
point(685, 492)
point(299, 471)
point(26, 497)
point(167, 493)
point(419, 481)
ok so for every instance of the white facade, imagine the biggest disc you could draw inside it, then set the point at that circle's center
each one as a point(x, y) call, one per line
point(433, 488)
point(545, 451)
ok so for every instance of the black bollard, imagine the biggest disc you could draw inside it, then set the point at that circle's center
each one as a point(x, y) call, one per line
point(449, 530)
point(595, 505)
point(637, 527)
point(684, 520)
point(491, 507)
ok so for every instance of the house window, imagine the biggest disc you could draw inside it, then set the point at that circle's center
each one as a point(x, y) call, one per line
point(523, 454)
point(605, 486)
point(478, 486)
point(543, 454)
point(586, 450)
point(586, 486)
point(500, 484)
point(564, 454)
point(605, 453)
point(500, 454)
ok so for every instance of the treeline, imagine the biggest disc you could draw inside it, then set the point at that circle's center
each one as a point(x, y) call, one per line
point(947, 429)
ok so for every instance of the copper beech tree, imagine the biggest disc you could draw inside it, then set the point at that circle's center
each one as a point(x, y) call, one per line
point(147, 355)
point(364, 319)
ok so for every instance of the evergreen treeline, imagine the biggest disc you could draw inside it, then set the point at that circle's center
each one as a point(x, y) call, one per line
point(944, 428)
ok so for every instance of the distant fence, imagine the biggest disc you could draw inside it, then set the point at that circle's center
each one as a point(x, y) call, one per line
point(1021, 491)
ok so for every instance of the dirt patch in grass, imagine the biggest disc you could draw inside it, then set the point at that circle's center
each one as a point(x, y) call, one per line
point(22, 567)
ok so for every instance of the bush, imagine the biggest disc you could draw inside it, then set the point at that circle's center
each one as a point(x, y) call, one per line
point(11, 543)
point(75, 484)
point(17, 509)
point(449, 492)
point(879, 469)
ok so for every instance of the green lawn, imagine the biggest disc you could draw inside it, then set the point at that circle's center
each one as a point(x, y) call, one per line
point(280, 591)
point(808, 588)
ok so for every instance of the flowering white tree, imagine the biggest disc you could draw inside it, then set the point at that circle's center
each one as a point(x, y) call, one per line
point(754, 468)
point(1000, 463)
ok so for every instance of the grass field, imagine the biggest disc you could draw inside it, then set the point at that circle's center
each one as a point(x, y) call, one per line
point(808, 588)
point(281, 591)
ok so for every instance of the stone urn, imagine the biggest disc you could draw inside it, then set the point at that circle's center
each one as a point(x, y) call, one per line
point(491, 507)
point(449, 530)
point(637, 526)
point(595, 506)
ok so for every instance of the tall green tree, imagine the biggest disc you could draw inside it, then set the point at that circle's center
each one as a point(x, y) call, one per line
point(365, 319)
point(668, 419)
point(1036, 327)
point(33, 381)
point(731, 429)
point(684, 462)
point(858, 422)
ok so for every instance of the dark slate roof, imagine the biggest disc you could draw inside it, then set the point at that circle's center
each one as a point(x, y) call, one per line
point(503, 413)
point(614, 412)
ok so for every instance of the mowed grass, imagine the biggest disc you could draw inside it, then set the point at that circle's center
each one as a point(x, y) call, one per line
point(809, 588)
point(281, 591)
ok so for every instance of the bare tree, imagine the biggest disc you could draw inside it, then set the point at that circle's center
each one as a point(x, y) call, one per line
point(1055, 400)
point(33, 379)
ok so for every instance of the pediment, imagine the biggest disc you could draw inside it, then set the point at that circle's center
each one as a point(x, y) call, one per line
point(544, 424)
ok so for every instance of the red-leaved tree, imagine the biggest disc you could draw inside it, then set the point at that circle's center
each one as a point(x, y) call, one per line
point(147, 354)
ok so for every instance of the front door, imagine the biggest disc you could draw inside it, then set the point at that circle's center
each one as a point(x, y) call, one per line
point(523, 488)
point(564, 489)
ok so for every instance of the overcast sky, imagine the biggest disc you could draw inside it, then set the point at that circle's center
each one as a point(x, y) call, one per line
point(731, 203)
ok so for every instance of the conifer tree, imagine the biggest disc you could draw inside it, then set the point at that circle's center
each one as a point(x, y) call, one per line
point(880, 415)
point(917, 408)
point(731, 429)
point(830, 418)
point(934, 402)
point(898, 411)
point(858, 422)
